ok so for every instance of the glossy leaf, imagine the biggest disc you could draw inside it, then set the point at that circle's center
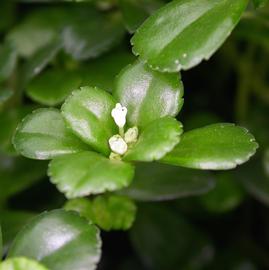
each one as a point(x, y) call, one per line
point(86, 173)
point(8, 59)
point(214, 147)
point(134, 12)
point(21, 263)
point(43, 135)
point(156, 140)
point(82, 41)
point(88, 112)
point(184, 32)
point(53, 86)
point(59, 240)
point(148, 94)
point(160, 182)
point(17, 174)
point(109, 212)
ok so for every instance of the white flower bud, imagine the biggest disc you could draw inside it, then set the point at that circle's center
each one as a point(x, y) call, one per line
point(131, 135)
point(119, 114)
point(118, 145)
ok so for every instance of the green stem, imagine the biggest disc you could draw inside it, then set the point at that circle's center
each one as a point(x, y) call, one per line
point(121, 131)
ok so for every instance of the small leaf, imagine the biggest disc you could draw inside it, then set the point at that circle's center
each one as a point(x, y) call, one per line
point(260, 3)
point(82, 41)
point(86, 173)
point(184, 32)
point(43, 135)
point(159, 182)
point(109, 212)
point(8, 59)
point(156, 140)
point(59, 240)
point(21, 263)
point(148, 94)
point(214, 147)
point(134, 12)
point(88, 113)
point(53, 86)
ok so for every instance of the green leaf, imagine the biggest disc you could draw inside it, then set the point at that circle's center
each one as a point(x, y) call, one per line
point(17, 174)
point(8, 59)
point(226, 196)
point(260, 3)
point(53, 86)
point(109, 212)
point(88, 112)
point(86, 173)
point(86, 38)
point(43, 135)
point(134, 12)
point(214, 147)
point(5, 95)
point(59, 240)
point(21, 263)
point(159, 182)
point(156, 140)
point(184, 32)
point(148, 94)
point(101, 72)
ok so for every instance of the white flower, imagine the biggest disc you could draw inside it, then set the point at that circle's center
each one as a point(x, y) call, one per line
point(119, 115)
point(118, 145)
point(131, 135)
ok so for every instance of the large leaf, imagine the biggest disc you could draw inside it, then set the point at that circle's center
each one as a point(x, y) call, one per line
point(43, 135)
point(86, 173)
point(214, 147)
point(88, 113)
point(59, 240)
point(184, 32)
point(109, 212)
point(21, 263)
point(8, 57)
point(156, 140)
point(148, 94)
point(53, 86)
point(17, 174)
point(86, 38)
point(159, 182)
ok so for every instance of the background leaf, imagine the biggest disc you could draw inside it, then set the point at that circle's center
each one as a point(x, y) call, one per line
point(85, 173)
point(21, 264)
point(43, 135)
point(158, 182)
point(148, 94)
point(184, 32)
point(260, 3)
point(213, 147)
point(76, 243)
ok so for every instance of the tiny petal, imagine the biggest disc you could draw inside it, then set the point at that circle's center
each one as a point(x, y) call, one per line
point(119, 115)
point(118, 145)
point(131, 135)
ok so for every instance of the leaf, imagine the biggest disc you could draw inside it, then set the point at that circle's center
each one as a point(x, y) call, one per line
point(88, 112)
point(82, 40)
point(53, 86)
point(5, 95)
point(159, 182)
point(109, 212)
point(214, 147)
point(43, 135)
point(260, 3)
point(226, 196)
point(134, 12)
point(148, 94)
point(59, 240)
point(101, 72)
point(184, 32)
point(8, 59)
point(21, 263)
point(86, 173)
point(156, 140)
point(163, 239)
point(17, 174)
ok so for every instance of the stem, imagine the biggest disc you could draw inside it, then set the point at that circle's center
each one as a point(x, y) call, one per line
point(121, 131)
